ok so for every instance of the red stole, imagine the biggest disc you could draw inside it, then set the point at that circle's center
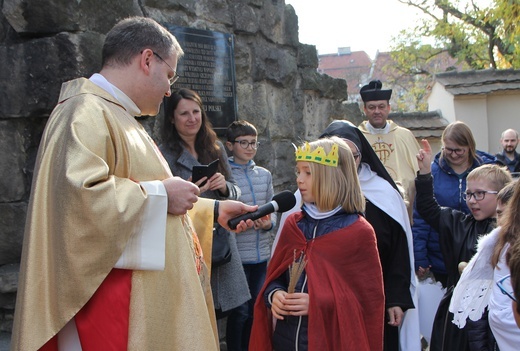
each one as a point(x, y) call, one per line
point(102, 323)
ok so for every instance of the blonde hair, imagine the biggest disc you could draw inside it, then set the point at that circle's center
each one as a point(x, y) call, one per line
point(497, 176)
point(336, 186)
point(510, 229)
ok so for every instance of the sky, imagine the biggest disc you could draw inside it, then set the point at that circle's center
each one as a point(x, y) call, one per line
point(362, 25)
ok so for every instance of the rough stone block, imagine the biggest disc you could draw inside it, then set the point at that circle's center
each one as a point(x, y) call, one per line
point(307, 56)
point(9, 278)
point(12, 224)
point(12, 177)
point(54, 16)
point(31, 86)
point(246, 18)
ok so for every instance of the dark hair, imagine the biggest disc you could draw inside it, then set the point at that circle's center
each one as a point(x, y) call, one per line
point(132, 35)
point(206, 140)
point(240, 128)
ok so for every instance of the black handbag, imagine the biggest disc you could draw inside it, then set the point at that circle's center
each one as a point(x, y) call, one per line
point(221, 250)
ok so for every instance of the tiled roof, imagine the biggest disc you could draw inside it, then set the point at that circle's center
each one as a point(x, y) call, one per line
point(421, 124)
point(479, 82)
point(352, 67)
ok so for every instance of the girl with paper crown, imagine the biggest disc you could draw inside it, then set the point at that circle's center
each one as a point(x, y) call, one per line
point(331, 297)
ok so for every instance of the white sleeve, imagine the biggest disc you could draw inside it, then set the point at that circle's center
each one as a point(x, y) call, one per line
point(145, 249)
point(472, 292)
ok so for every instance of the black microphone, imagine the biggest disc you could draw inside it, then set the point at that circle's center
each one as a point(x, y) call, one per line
point(281, 202)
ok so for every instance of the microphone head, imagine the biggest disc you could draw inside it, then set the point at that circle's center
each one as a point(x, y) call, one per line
point(285, 200)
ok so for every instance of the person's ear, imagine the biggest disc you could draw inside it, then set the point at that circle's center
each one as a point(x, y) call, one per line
point(229, 145)
point(144, 60)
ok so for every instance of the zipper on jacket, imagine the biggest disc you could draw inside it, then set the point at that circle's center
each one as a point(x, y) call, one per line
point(302, 289)
point(460, 194)
point(444, 327)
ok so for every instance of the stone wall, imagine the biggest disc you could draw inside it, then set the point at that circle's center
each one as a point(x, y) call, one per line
point(46, 42)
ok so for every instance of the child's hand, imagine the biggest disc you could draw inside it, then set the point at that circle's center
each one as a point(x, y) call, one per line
point(277, 305)
point(297, 304)
point(285, 304)
point(263, 223)
point(424, 157)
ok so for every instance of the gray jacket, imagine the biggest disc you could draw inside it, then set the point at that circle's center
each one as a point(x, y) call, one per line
point(228, 282)
point(256, 186)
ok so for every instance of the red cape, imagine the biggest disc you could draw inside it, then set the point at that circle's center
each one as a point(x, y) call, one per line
point(345, 286)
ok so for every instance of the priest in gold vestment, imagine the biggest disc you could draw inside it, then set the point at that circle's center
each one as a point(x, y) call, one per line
point(395, 146)
point(108, 241)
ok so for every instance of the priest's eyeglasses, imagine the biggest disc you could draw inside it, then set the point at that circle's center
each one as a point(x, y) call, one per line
point(449, 150)
point(478, 195)
point(504, 285)
point(175, 75)
point(244, 144)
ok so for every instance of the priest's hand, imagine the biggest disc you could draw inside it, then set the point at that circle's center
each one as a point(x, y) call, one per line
point(181, 195)
point(229, 209)
point(424, 157)
point(395, 315)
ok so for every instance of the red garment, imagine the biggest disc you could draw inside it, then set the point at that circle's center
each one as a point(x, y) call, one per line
point(345, 286)
point(102, 324)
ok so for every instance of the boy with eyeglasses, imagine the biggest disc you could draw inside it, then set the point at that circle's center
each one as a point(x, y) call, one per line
point(459, 233)
point(254, 245)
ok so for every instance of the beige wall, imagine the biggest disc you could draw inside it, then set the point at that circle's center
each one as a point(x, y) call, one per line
point(487, 115)
point(441, 100)
point(473, 111)
point(504, 114)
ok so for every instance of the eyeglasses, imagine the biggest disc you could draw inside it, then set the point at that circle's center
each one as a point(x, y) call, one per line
point(175, 75)
point(478, 195)
point(244, 144)
point(504, 285)
point(458, 152)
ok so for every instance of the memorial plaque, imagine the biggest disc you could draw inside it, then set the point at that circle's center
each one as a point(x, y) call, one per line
point(208, 67)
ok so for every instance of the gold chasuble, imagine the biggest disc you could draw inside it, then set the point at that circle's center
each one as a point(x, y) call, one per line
point(86, 203)
point(397, 151)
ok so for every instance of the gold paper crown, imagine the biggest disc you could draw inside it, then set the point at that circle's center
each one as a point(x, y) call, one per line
point(318, 155)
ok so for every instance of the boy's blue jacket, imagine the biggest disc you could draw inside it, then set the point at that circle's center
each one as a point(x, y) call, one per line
point(256, 186)
point(448, 189)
